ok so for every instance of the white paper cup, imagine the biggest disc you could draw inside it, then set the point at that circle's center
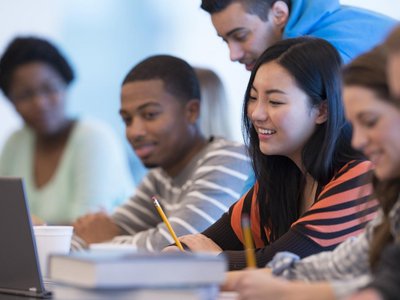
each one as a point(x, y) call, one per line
point(49, 240)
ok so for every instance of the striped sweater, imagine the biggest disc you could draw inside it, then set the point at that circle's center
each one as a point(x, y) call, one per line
point(342, 208)
point(193, 200)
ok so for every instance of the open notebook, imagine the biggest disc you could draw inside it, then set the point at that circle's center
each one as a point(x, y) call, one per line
point(19, 264)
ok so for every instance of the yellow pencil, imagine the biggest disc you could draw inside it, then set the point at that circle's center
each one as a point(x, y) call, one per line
point(248, 243)
point(164, 218)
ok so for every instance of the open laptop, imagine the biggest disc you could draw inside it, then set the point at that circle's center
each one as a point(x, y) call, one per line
point(19, 265)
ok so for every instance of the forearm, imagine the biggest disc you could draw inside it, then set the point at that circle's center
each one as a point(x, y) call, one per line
point(258, 284)
point(305, 291)
point(290, 242)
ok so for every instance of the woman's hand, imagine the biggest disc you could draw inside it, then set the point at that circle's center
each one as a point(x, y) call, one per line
point(200, 243)
point(368, 294)
point(232, 277)
point(257, 284)
point(171, 249)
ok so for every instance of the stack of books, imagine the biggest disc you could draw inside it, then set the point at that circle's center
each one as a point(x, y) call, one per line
point(95, 275)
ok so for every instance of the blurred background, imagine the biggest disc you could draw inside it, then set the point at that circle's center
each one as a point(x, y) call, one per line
point(103, 39)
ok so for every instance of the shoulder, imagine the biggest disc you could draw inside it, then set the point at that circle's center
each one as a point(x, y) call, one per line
point(352, 184)
point(92, 131)
point(22, 136)
point(152, 181)
point(225, 156)
point(353, 169)
point(94, 140)
point(352, 175)
point(89, 126)
point(220, 147)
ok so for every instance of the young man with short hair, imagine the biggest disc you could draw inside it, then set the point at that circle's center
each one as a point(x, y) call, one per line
point(251, 26)
point(195, 179)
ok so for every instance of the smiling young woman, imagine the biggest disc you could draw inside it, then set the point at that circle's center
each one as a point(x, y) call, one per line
point(313, 190)
point(375, 117)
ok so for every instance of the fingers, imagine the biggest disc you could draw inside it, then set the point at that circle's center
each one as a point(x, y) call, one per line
point(171, 249)
point(37, 221)
point(231, 280)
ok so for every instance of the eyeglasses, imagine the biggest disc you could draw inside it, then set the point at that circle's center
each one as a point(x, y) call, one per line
point(48, 89)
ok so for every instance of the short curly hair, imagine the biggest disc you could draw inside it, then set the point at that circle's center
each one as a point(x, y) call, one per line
point(178, 76)
point(24, 50)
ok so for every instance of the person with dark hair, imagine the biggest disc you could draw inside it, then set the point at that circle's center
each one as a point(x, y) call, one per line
point(70, 166)
point(312, 189)
point(375, 117)
point(250, 26)
point(196, 179)
point(393, 66)
point(386, 282)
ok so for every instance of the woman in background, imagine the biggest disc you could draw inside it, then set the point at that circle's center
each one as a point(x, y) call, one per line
point(69, 166)
point(386, 283)
point(214, 116)
point(393, 66)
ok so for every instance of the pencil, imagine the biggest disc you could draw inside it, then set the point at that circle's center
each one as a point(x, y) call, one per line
point(164, 218)
point(248, 243)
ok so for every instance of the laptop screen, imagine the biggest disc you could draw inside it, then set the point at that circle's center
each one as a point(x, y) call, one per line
point(20, 271)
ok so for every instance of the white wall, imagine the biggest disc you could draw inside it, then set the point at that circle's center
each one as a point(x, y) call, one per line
point(104, 39)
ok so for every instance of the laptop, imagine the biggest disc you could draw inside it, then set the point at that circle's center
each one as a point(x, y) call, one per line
point(19, 265)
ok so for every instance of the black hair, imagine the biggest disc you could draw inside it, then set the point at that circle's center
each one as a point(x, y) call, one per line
point(315, 65)
point(254, 7)
point(25, 50)
point(178, 76)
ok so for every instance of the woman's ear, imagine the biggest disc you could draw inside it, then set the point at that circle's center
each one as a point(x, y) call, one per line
point(322, 112)
point(192, 110)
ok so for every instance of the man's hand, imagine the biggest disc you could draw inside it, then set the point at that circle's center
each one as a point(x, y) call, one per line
point(96, 228)
point(37, 221)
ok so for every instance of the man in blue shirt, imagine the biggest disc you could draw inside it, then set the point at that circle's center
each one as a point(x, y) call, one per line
point(251, 26)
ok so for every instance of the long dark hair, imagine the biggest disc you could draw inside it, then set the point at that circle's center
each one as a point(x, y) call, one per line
point(315, 65)
point(369, 71)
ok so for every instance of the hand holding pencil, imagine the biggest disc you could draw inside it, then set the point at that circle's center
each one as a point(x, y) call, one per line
point(248, 243)
point(165, 220)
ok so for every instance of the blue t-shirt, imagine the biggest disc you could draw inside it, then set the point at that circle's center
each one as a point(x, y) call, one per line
point(351, 30)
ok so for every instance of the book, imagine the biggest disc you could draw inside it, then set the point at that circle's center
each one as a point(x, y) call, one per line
point(63, 292)
point(228, 296)
point(136, 270)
